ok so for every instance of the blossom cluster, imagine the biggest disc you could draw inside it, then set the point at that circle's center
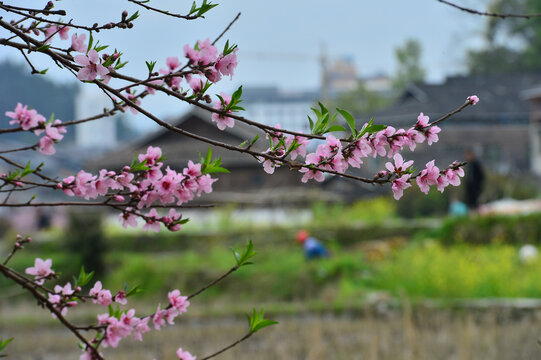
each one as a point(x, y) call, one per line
point(114, 326)
point(144, 184)
point(30, 119)
point(334, 156)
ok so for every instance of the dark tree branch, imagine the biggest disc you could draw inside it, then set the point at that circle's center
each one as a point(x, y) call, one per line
point(491, 14)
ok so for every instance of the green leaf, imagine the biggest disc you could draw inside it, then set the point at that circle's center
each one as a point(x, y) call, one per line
point(335, 128)
point(134, 16)
point(349, 119)
point(257, 321)
point(43, 72)
point(150, 65)
point(248, 253)
point(27, 170)
point(311, 124)
point(90, 41)
point(193, 9)
point(84, 277)
point(375, 128)
point(43, 47)
point(208, 157)
point(4, 343)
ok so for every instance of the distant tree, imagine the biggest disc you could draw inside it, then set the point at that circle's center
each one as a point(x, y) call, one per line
point(513, 44)
point(361, 101)
point(409, 69)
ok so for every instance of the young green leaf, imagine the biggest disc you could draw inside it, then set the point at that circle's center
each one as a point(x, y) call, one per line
point(257, 321)
point(349, 119)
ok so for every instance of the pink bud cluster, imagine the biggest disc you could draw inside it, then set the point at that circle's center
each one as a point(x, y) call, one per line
point(204, 60)
point(335, 157)
point(113, 327)
point(62, 298)
point(205, 57)
point(144, 188)
point(32, 120)
point(222, 121)
point(90, 62)
point(120, 327)
point(280, 144)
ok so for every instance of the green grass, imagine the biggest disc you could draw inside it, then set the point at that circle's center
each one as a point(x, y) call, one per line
point(434, 271)
point(281, 274)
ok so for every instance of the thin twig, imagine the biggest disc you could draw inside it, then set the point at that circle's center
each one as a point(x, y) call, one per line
point(229, 347)
point(491, 14)
point(226, 29)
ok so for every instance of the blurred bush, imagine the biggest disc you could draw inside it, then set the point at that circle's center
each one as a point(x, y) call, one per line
point(360, 212)
point(481, 230)
point(84, 238)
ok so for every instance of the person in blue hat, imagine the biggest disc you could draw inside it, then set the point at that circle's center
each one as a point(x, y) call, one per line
point(313, 249)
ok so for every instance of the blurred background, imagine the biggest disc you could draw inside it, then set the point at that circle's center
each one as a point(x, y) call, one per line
point(437, 276)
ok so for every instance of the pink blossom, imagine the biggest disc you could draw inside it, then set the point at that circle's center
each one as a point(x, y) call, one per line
point(152, 221)
point(206, 54)
point(177, 301)
point(184, 355)
point(150, 89)
point(78, 43)
point(41, 270)
point(399, 165)
point(91, 66)
point(116, 331)
point(121, 298)
point(399, 185)
point(128, 219)
point(196, 84)
point(442, 183)
point(422, 120)
point(46, 146)
point(66, 290)
point(431, 134)
point(227, 64)
point(53, 29)
point(25, 118)
point(302, 142)
point(152, 155)
point(269, 165)
point(429, 176)
point(101, 296)
point(213, 75)
point(141, 328)
point(221, 120)
point(159, 318)
point(453, 176)
point(205, 184)
point(473, 99)
point(172, 63)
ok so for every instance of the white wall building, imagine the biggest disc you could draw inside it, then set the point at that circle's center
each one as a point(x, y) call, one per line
point(99, 134)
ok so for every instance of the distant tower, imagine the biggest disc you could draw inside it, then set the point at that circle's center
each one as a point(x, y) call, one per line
point(342, 76)
point(325, 77)
point(99, 134)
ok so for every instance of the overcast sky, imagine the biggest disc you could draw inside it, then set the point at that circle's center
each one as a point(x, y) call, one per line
point(280, 41)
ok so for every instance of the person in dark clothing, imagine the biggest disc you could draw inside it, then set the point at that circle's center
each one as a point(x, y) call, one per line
point(474, 181)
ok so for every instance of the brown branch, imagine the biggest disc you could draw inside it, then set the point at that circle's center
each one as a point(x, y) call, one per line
point(164, 12)
point(95, 27)
point(232, 270)
point(229, 346)
point(491, 14)
point(226, 29)
point(36, 11)
point(83, 203)
point(29, 285)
